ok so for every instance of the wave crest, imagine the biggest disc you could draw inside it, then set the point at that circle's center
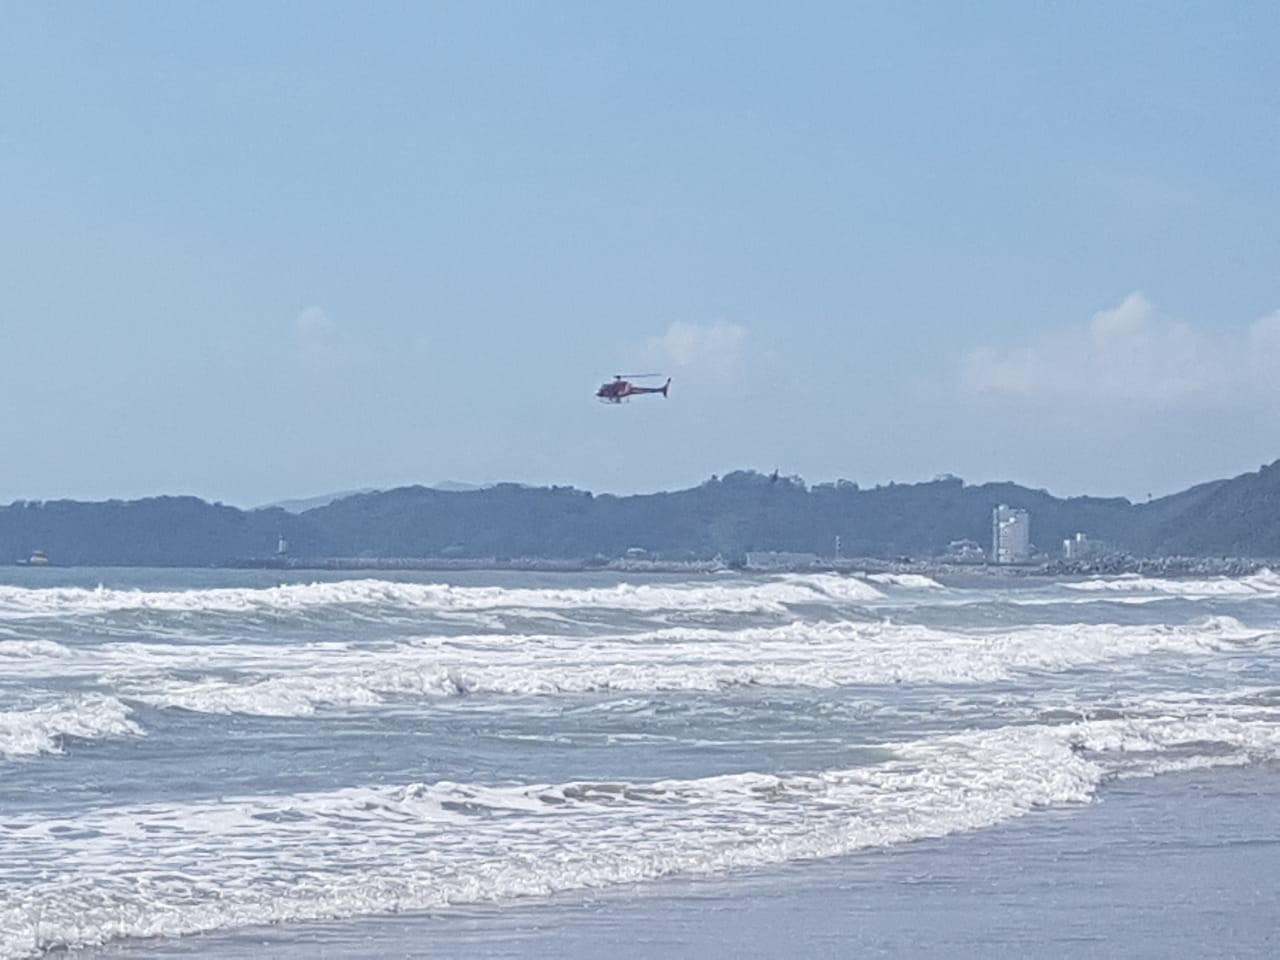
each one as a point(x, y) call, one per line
point(41, 729)
point(747, 596)
point(126, 871)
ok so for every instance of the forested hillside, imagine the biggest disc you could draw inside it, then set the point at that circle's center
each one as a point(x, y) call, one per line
point(725, 516)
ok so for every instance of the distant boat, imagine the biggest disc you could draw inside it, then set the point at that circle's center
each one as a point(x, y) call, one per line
point(37, 559)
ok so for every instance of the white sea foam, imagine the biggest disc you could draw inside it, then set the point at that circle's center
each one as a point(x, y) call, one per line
point(1264, 583)
point(40, 728)
point(12, 651)
point(274, 697)
point(746, 596)
point(296, 679)
point(159, 869)
point(910, 581)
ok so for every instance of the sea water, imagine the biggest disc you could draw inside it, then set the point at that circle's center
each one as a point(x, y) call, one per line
point(192, 758)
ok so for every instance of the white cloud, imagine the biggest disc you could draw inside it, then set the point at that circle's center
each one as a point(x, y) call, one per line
point(1264, 336)
point(314, 323)
point(717, 346)
point(1133, 354)
point(316, 342)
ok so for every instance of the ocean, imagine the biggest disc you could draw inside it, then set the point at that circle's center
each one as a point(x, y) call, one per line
point(215, 763)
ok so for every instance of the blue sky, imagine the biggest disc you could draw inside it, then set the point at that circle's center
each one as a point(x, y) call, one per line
point(259, 251)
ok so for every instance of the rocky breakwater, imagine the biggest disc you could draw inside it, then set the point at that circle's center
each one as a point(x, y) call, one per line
point(1160, 566)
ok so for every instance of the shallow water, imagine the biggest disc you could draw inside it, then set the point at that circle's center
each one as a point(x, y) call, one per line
point(1177, 866)
point(203, 752)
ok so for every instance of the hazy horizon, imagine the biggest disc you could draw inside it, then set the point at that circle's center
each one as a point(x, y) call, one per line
point(253, 251)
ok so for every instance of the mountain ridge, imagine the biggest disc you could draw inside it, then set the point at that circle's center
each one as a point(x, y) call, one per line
point(727, 517)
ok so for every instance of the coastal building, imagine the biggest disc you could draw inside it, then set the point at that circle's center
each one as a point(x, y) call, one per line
point(1080, 546)
point(1010, 535)
point(965, 551)
point(1073, 548)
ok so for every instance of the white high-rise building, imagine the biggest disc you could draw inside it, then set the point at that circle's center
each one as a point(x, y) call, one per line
point(1010, 534)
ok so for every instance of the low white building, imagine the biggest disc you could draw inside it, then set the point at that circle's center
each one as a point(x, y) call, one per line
point(1010, 535)
point(1073, 548)
point(965, 550)
point(1081, 546)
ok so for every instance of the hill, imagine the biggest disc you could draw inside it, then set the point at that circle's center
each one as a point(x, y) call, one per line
point(726, 516)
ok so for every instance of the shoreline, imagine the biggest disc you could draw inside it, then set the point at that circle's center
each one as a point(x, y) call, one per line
point(1171, 567)
point(1175, 865)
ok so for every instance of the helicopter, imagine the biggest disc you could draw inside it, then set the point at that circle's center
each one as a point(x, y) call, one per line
point(621, 387)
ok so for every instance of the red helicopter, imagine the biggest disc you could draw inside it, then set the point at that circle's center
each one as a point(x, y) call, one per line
point(621, 387)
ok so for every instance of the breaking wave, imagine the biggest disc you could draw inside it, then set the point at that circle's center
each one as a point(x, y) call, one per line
point(747, 596)
point(174, 869)
point(42, 728)
point(911, 581)
point(297, 679)
point(1264, 583)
